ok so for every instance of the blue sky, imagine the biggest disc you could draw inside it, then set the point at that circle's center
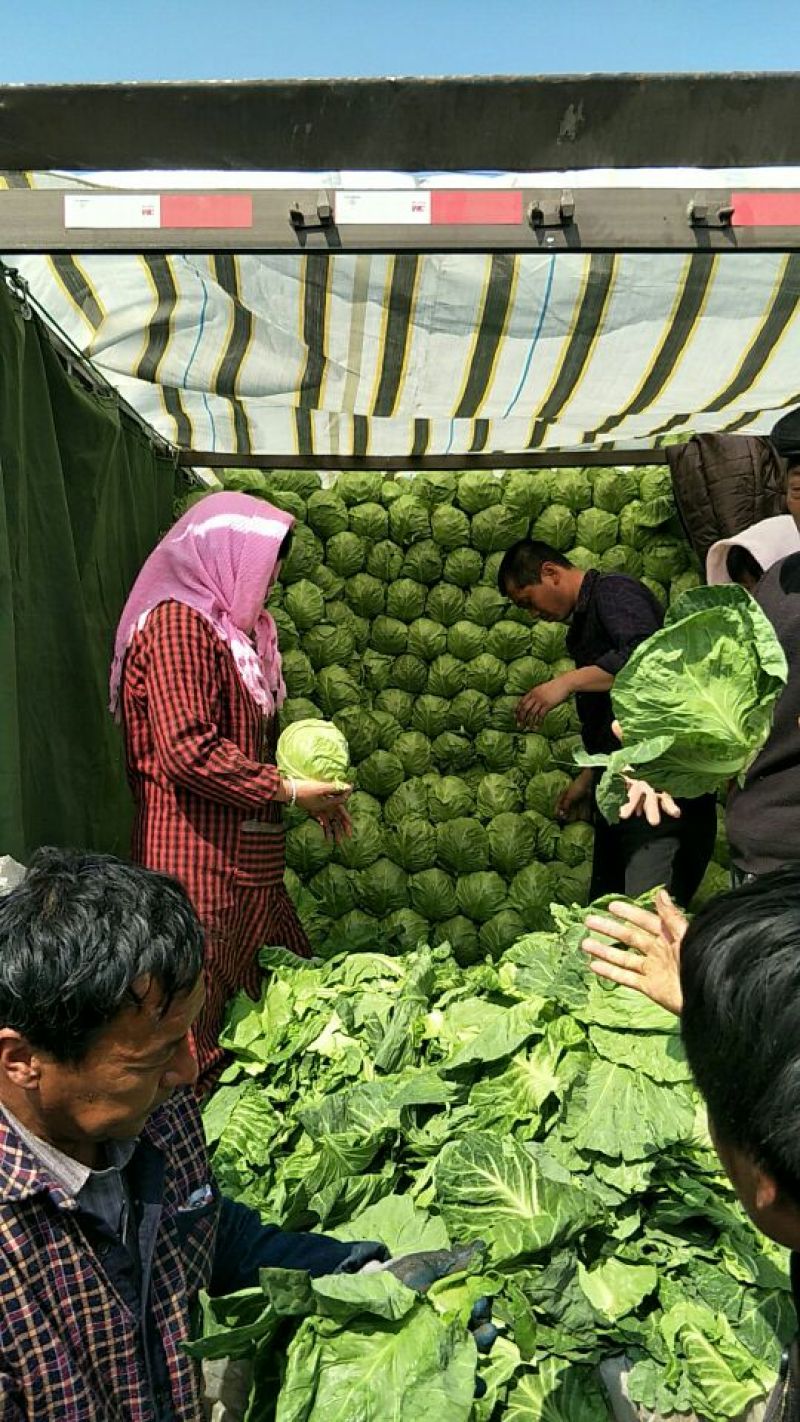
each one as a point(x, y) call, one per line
point(73, 41)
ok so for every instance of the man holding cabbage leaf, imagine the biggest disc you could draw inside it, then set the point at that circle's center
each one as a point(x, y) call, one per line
point(762, 817)
point(763, 802)
point(610, 615)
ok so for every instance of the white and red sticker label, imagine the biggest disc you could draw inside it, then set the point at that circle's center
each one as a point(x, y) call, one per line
point(126, 211)
point(442, 207)
point(369, 208)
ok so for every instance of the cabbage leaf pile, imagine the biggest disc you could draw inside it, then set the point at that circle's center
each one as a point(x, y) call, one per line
point(523, 1102)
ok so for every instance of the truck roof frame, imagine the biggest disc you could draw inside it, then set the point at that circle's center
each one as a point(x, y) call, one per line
point(509, 123)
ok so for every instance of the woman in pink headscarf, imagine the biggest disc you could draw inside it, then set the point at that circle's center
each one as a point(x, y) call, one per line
point(196, 681)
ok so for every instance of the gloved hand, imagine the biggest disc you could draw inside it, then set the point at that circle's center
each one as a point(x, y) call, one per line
point(484, 1332)
point(419, 1271)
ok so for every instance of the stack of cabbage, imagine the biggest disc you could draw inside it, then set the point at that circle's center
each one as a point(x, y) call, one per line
point(391, 624)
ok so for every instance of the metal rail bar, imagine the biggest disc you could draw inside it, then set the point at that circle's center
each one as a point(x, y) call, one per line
point(540, 459)
point(278, 221)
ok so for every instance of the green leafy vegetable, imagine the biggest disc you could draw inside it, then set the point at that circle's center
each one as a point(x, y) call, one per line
point(424, 562)
point(304, 604)
point(346, 553)
point(695, 701)
point(406, 600)
point(370, 521)
point(327, 513)
point(409, 520)
point(450, 527)
point(476, 1092)
point(478, 490)
point(314, 750)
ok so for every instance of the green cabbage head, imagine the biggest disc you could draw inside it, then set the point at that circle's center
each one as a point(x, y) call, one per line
point(314, 750)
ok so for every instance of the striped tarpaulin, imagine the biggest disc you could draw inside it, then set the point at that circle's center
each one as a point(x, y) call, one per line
point(339, 353)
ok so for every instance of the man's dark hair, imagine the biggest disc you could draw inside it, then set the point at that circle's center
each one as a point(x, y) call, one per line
point(522, 564)
point(789, 574)
point(785, 436)
point(740, 974)
point(741, 564)
point(76, 935)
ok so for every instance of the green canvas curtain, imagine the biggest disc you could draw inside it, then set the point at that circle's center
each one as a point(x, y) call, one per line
point(83, 499)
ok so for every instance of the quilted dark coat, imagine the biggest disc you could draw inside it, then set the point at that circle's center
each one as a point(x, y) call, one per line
point(724, 483)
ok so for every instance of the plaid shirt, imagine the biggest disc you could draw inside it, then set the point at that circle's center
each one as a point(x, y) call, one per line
point(69, 1345)
point(194, 738)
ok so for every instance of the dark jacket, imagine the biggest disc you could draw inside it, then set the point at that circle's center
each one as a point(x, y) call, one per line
point(762, 816)
point(784, 1403)
point(723, 484)
point(613, 615)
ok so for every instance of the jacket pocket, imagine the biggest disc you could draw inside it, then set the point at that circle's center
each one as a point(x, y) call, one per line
point(261, 855)
point(194, 1232)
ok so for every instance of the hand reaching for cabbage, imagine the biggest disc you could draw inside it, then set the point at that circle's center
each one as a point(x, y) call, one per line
point(335, 823)
point(535, 704)
point(643, 800)
point(574, 803)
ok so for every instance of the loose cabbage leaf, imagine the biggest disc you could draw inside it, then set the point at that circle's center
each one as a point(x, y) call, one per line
point(424, 1362)
point(489, 1187)
point(557, 1392)
point(695, 701)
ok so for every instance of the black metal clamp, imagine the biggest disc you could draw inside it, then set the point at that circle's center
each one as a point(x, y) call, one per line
point(19, 289)
point(320, 220)
point(564, 214)
point(698, 215)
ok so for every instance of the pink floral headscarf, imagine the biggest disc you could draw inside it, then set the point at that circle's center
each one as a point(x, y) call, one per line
point(220, 559)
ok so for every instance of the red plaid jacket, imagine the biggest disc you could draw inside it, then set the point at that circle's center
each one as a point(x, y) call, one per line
point(68, 1343)
point(193, 739)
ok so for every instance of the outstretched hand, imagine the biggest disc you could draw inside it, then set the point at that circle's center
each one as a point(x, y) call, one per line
point(652, 964)
point(643, 800)
point(535, 704)
point(576, 801)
